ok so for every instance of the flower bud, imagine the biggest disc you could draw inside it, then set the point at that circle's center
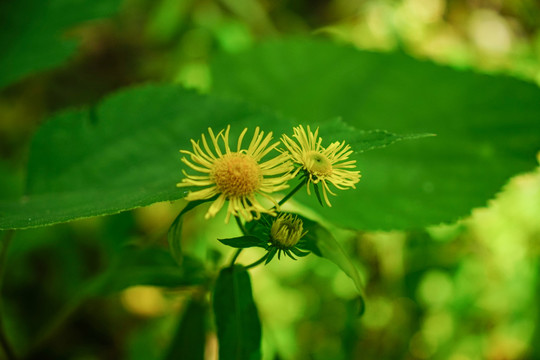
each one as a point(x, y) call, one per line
point(286, 231)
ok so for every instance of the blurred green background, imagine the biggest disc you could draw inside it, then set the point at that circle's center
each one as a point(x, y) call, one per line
point(462, 291)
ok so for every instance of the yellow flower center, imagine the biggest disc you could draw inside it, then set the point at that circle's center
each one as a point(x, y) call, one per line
point(286, 231)
point(318, 164)
point(236, 174)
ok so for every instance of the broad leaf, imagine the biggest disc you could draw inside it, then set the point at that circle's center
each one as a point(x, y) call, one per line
point(487, 127)
point(361, 140)
point(124, 155)
point(244, 242)
point(237, 320)
point(33, 37)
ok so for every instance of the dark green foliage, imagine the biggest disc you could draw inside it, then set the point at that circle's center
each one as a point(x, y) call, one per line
point(487, 127)
point(152, 266)
point(237, 320)
point(245, 242)
point(128, 159)
point(190, 338)
point(33, 37)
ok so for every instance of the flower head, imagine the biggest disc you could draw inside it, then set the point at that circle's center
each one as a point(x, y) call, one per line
point(284, 234)
point(235, 176)
point(320, 164)
point(286, 231)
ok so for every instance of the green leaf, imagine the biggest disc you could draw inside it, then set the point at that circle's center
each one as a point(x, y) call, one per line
point(237, 320)
point(322, 243)
point(244, 242)
point(190, 338)
point(154, 267)
point(174, 235)
point(126, 158)
point(487, 127)
point(362, 140)
point(34, 38)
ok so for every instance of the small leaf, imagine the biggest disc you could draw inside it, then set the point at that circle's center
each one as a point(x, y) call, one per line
point(322, 243)
point(174, 235)
point(190, 338)
point(246, 241)
point(237, 320)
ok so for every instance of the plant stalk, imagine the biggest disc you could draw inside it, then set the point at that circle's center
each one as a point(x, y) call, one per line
point(235, 257)
point(293, 191)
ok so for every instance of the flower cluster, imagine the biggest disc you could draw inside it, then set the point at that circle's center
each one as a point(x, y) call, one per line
point(238, 175)
point(242, 175)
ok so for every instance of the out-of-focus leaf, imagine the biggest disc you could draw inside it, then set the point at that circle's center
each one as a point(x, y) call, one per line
point(154, 267)
point(126, 157)
point(322, 243)
point(237, 320)
point(487, 127)
point(190, 338)
point(244, 242)
point(33, 36)
point(10, 182)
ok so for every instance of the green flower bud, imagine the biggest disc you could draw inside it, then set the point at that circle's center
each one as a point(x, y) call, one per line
point(286, 231)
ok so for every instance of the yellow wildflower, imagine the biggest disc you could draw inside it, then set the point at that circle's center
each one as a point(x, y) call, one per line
point(319, 164)
point(236, 176)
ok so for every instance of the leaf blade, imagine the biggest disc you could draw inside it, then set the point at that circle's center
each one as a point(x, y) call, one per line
point(237, 319)
point(487, 127)
point(245, 241)
point(129, 158)
point(190, 338)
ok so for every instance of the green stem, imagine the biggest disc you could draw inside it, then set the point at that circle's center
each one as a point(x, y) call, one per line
point(8, 350)
point(240, 225)
point(244, 232)
point(235, 257)
point(293, 191)
point(257, 262)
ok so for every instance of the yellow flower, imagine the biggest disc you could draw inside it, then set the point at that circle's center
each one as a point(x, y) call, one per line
point(319, 164)
point(236, 176)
